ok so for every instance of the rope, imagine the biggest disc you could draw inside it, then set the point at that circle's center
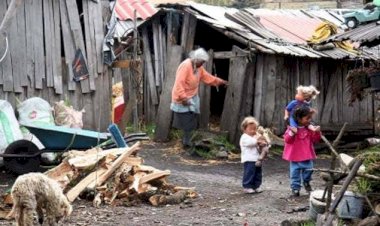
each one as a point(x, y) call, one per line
point(71, 143)
point(6, 49)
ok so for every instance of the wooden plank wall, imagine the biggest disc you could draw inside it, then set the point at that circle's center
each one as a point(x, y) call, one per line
point(262, 88)
point(276, 85)
point(36, 66)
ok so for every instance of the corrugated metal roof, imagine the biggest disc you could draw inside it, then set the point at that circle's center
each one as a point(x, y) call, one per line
point(124, 9)
point(273, 31)
point(278, 21)
point(365, 35)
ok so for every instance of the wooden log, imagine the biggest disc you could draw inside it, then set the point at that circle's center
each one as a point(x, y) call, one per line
point(176, 198)
point(153, 176)
point(97, 200)
point(164, 114)
point(114, 166)
point(77, 189)
point(93, 156)
point(121, 178)
point(63, 173)
point(145, 168)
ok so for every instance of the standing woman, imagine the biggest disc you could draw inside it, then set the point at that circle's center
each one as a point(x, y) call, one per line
point(185, 99)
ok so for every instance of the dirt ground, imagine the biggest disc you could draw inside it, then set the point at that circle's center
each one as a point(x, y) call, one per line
point(220, 200)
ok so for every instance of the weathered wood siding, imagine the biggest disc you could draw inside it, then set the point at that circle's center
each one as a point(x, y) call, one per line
point(259, 84)
point(43, 39)
point(277, 78)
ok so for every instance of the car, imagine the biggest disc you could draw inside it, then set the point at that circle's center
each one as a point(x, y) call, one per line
point(361, 16)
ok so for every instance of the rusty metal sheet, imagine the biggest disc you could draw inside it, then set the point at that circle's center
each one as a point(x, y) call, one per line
point(124, 9)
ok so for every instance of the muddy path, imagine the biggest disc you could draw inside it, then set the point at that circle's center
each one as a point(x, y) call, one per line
point(220, 200)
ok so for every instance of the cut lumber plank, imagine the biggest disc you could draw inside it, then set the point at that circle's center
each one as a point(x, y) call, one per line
point(145, 168)
point(7, 199)
point(154, 176)
point(134, 161)
point(77, 189)
point(63, 173)
point(114, 166)
point(4, 214)
point(91, 156)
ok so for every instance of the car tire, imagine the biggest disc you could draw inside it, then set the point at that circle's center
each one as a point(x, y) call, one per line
point(352, 23)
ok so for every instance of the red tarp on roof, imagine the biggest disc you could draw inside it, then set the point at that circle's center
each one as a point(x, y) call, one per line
point(125, 8)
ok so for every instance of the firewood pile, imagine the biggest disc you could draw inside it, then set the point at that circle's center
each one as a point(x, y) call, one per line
point(115, 177)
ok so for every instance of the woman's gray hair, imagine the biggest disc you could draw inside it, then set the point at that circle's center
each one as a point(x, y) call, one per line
point(199, 54)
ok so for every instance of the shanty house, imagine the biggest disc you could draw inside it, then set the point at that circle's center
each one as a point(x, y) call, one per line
point(263, 54)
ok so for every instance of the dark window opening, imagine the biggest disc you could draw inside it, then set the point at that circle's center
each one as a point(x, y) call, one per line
point(209, 38)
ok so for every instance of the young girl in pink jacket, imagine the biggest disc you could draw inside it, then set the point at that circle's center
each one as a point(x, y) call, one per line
point(299, 150)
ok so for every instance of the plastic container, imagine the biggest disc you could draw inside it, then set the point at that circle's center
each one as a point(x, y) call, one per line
point(316, 205)
point(351, 206)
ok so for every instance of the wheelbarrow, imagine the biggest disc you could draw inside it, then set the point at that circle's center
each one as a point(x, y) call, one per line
point(23, 156)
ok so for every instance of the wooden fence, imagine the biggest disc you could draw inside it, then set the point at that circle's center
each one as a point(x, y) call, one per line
point(43, 39)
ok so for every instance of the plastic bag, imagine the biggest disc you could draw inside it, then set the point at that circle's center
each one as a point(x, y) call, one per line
point(9, 127)
point(66, 116)
point(35, 111)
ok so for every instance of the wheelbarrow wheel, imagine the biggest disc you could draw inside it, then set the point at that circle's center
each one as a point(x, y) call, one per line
point(22, 165)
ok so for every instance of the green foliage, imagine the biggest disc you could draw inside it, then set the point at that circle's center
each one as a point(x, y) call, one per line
point(204, 153)
point(130, 128)
point(276, 151)
point(149, 129)
point(224, 141)
point(308, 223)
point(363, 186)
point(371, 161)
point(175, 134)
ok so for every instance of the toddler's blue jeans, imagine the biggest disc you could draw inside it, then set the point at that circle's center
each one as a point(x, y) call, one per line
point(252, 177)
point(298, 171)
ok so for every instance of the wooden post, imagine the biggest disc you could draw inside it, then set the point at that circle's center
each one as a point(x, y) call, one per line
point(205, 96)
point(234, 94)
point(164, 114)
point(350, 177)
point(149, 67)
point(330, 184)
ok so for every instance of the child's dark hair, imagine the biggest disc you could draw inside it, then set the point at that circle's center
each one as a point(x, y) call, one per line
point(301, 112)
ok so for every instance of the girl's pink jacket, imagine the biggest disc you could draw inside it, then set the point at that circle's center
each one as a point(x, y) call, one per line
point(300, 147)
